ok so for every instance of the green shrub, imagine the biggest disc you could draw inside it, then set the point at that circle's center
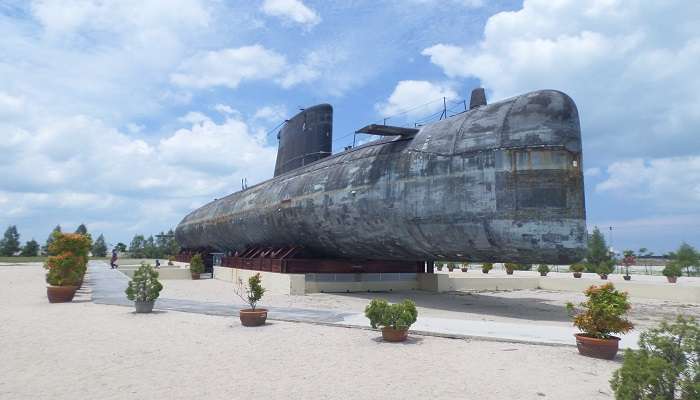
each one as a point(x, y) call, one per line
point(603, 313)
point(486, 267)
point(543, 269)
point(672, 269)
point(578, 267)
point(144, 286)
point(666, 366)
point(63, 270)
point(605, 268)
point(196, 264)
point(68, 261)
point(517, 267)
point(397, 316)
point(251, 293)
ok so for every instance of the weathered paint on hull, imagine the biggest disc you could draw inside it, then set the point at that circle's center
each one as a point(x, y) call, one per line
point(502, 182)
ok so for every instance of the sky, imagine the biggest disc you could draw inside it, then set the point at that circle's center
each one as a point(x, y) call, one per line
point(126, 115)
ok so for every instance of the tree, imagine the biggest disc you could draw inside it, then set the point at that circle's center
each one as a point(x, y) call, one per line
point(30, 249)
point(686, 256)
point(172, 247)
point(121, 247)
point(82, 229)
point(52, 236)
point(99, 248)
point(150, 250)
point(136, 246)
point(597, 251)
point(9, 244)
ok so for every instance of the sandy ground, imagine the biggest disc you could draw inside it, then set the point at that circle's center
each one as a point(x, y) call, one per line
point(541, 307)
point(84, 350)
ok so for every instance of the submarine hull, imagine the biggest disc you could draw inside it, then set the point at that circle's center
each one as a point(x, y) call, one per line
point(499, 183)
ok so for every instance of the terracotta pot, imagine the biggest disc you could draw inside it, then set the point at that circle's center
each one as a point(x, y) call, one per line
point(509, 272)
point(627, 277)
point(672, 279)
point(144, 306)
point(577, 274)
point(597, 348)
point(60, 294)
point(604, 277)
point(195, 275)
point(251, 317)
point(394, 335)
point(485, 271)
point(465, 269)
point(543, 274)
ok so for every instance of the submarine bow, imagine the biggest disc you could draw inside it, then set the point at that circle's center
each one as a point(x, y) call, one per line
point(499, 182)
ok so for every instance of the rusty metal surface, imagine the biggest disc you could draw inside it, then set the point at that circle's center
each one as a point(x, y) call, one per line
point(501, 182)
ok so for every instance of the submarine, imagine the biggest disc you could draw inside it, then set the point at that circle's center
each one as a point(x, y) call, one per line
point(499, 182)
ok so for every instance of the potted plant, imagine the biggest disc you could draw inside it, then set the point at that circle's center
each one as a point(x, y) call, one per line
point(66, 266)
point(628, 260)
point(664, 367)
point(144, 288)
point(251, 294)
point(439, 266)
point(510, 267)
point(170, 261)
point(601, 316)
point(465, 267)
point(577, 269)
point(672, 271)
point(486, 267)
point(394, 319)
point(604, 269)
point(196, 266)
point(450, 266)
point(543, 269)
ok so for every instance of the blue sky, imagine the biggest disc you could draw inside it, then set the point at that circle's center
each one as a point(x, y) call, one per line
point(126, 115)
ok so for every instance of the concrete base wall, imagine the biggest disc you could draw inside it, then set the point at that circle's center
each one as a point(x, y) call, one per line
point(299, 284)
point(660, 291)
point(273, 282)
point(360, 282)
point(345, 287)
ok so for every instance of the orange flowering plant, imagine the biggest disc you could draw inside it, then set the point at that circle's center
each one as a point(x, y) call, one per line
point(603, 313)
point(63, 270)
point(69, 262)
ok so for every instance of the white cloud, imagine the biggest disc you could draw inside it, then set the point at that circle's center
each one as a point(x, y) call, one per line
point(224, 109)
point(592, 172)
point(631, 67)
point(67, 17)
point(10, 105)
point(228, 67)
point(409, 98)
point(291, 10)
point(275, 113)
point(666, 182)
point(78, 167)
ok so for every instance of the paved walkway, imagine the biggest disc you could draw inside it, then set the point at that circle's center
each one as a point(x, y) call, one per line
point(108, 288)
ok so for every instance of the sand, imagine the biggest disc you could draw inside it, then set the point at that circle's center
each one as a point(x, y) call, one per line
point(84, 350)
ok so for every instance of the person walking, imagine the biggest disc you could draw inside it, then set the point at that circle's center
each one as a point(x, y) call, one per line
point(113, 261)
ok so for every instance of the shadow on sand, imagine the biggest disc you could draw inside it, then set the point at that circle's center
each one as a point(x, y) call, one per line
point(529, 308)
